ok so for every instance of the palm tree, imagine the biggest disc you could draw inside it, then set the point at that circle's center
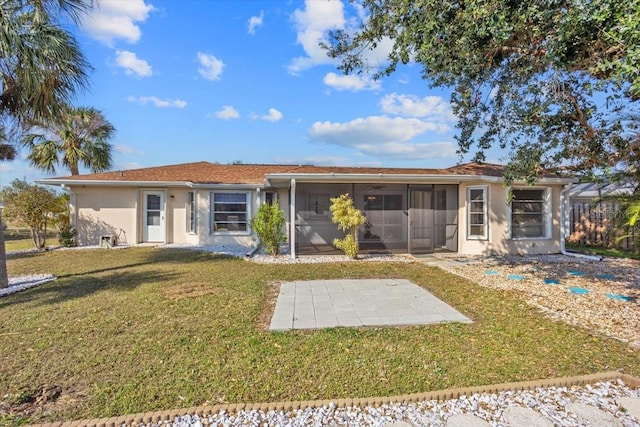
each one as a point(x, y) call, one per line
point(41, 68)
point(78, 136)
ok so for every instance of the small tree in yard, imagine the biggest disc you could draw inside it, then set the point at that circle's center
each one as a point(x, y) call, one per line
point(35, 206)
point(349, 219)
point(268, 224)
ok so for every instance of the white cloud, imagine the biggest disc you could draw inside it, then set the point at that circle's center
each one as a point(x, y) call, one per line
point(315, 160)
point(124, 149)
point(129, 166)
point(351, 82)
point(132, 64)
point(273, 116)
point(373, 128)
point(433, 107)
point(210, 66)
point(312, 24)
point(384, 136)
point(157, 102)
point(227, 112)
point(411, 150)
point(255, 22)
point(116, 19)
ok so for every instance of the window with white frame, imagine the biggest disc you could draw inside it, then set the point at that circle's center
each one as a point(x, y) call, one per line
point(530, 213)
point(191, 212)
point(477, 212)
point(229, 212)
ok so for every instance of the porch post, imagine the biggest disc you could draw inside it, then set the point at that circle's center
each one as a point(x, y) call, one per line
point(292, 219)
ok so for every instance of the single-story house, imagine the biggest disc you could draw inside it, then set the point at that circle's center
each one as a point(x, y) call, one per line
point(462, 209)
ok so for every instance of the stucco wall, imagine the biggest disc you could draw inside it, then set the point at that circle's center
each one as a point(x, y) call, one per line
point(118, 211)
point(105, 211)
point(498, 241)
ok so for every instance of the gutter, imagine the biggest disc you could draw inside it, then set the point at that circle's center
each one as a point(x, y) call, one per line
point(161, 184)
point(402, 178)
point(564, 220)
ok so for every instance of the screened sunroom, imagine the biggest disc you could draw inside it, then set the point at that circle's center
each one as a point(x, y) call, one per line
point(401, 218)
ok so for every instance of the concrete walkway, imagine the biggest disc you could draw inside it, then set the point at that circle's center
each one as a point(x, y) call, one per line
point(319, 304)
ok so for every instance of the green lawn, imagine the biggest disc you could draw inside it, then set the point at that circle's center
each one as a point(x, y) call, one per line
point(141, 329)
point(20, 239)
point(599, 250)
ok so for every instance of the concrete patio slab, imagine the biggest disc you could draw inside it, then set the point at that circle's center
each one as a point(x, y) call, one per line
point(316, 304)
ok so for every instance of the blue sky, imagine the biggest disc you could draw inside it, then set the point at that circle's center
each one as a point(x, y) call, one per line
point(245, 80)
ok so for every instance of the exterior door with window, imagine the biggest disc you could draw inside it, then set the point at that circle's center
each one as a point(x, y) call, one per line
point(153, 219)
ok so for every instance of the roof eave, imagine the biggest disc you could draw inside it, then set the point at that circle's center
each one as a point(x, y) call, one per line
point(401, 178)
point(147, 184)
point(110, 183)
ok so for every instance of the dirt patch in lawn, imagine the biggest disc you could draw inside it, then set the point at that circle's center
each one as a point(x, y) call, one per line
point(190, 290)
point(602, 296)
point(41, 402)
point(263, 321)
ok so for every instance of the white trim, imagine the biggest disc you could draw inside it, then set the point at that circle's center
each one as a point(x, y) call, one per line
point(401, 178)
point(485, 211)
point(164, 223)
point(248, 203)
point(189, 210)
point(292, 219)
point(547, 214)
point(146, 184)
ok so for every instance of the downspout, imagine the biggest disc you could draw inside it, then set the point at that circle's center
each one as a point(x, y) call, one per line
point(564, 225)
point(292, 219)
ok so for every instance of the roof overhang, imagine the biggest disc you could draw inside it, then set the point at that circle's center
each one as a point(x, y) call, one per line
point(146, 184)
point(278, 179)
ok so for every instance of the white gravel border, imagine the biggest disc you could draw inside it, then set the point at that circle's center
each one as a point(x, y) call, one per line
point(21, 283)
point(261, 257)
point(556, 404)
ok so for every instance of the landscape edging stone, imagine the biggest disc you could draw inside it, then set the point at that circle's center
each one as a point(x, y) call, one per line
point(136, 420)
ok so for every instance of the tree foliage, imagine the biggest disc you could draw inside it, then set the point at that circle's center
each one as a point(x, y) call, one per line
point(349, 220)
point(79, 136)
point(268, 224)
point(41, 64)
point(41, 67)
point(35, 206)
point(554, 82)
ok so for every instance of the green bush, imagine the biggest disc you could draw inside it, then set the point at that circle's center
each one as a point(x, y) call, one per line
point(268, 223)
point(67, 235)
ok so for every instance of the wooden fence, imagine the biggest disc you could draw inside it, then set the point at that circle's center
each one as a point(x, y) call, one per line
point(601, 224)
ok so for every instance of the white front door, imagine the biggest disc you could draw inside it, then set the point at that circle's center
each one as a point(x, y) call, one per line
point(153, 217)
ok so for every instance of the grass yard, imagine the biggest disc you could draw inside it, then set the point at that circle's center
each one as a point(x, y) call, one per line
point(19, 239)
point(599, 250)
point(141, 329)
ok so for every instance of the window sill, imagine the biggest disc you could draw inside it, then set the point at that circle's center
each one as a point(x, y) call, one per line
point(483, 238)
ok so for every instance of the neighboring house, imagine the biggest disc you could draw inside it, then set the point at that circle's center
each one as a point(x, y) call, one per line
point(462, 209)
point(593, 193)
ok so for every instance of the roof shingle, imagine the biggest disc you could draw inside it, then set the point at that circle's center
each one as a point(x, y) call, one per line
point(215, 173)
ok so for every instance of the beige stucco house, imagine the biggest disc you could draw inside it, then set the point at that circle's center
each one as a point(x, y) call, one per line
point(462, 209)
